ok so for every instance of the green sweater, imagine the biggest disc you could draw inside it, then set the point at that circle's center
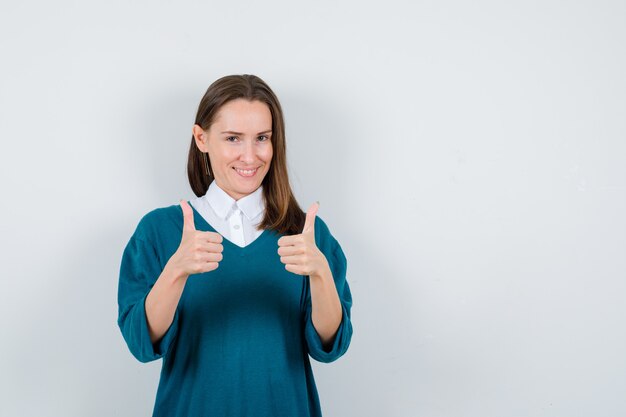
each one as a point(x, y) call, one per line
point(242, 334)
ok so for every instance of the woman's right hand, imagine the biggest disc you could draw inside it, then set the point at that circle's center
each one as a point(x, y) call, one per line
point(198, 251)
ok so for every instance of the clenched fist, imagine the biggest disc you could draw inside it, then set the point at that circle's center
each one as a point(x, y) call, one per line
point(300, 253)
point(198, 251)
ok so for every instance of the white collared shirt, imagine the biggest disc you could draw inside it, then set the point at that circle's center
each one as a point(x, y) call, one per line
point(234, 220)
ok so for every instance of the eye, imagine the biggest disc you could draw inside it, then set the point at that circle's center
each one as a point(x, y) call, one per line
point(263, 136)
point(228, 138)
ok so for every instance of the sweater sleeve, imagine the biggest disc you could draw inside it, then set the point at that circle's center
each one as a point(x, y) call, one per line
point(338, 267)
point(138, 272)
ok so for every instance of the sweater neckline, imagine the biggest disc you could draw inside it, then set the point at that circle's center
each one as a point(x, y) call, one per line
point(198, 218)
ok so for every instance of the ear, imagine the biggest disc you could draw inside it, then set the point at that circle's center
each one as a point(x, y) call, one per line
point(201, 137)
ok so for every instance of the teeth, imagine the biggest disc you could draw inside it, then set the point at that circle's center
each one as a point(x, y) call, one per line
point(245, 172)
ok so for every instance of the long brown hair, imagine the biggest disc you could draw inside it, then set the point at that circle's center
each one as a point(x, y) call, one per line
point(282, 212)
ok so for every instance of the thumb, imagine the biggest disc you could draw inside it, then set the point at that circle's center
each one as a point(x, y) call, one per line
point(309, 223)
point(188, 223)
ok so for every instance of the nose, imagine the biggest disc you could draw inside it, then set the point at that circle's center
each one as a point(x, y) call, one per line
point(247, 154)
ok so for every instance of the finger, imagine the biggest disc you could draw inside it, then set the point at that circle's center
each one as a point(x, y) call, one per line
point(188, 224)
point(291, 260)
point(213, 257)
point(211, 237)
point(309, 223)
point(290, 250)
point(289, 240)
point(210, 266)
point(293, 269)
point(212, 247)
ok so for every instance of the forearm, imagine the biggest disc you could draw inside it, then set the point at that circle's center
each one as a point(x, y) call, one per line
point(326, 311)
point(162, 301)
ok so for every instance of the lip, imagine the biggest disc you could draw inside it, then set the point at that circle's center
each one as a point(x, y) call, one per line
point(246, 169)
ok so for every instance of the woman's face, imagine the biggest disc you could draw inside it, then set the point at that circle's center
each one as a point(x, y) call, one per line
point(238, 139)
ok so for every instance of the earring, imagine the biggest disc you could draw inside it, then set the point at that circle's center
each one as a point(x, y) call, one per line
point(206, 164)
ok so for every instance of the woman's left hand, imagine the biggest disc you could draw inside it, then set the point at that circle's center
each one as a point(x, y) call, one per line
point(300, 253)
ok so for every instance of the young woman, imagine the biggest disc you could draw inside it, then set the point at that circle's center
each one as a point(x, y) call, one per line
point(236, 288)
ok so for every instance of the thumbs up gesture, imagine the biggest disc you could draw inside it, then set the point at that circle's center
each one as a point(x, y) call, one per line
point(300, 253)
point(198, 251)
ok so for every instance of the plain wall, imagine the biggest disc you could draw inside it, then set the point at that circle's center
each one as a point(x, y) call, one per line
point(468, 156)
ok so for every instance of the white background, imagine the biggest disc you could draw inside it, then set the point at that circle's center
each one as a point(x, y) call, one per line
point(468, 156)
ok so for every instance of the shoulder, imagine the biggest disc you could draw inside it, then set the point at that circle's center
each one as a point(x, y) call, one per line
point(324, 238)
point(159, 221)
point(330, 247)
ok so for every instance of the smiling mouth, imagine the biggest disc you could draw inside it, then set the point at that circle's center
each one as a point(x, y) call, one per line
point(246, 172)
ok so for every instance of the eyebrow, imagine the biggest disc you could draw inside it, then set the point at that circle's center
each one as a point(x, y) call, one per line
point(239, 133)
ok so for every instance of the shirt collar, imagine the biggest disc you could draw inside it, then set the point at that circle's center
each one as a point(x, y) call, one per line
point(223, 204)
